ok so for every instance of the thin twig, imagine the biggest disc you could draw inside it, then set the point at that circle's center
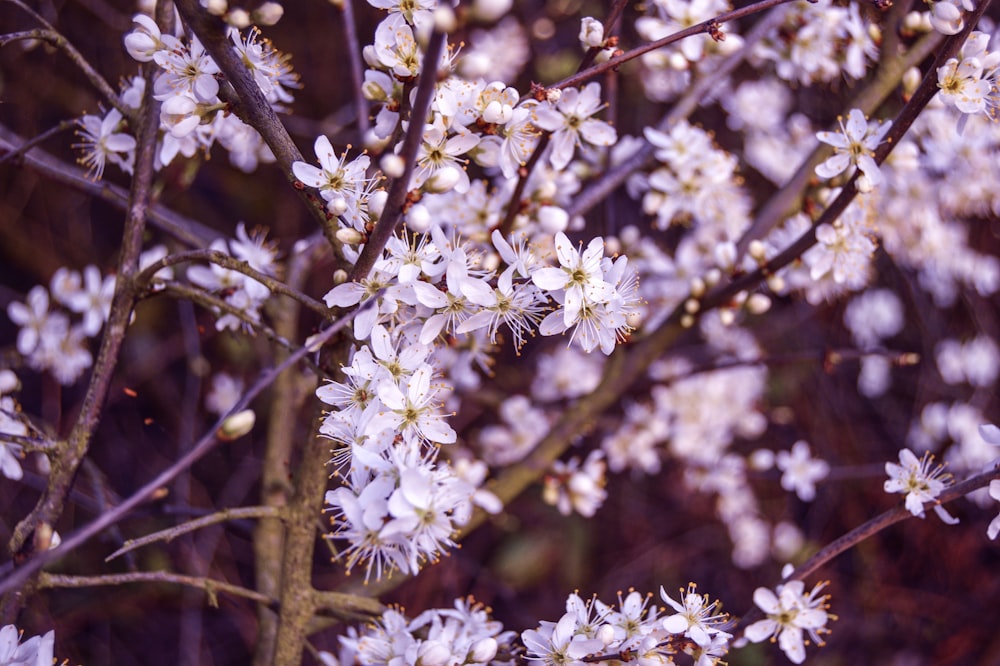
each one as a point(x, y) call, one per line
point(51, 35)
point(872, 527)
point(203, 446)
point(353, 47)
point(700, 28)
point(232, 263)
point(37, 139)
point(211, 586)
point(186, 230)
point(600, 189)
point(172, 533)
point(68, 459)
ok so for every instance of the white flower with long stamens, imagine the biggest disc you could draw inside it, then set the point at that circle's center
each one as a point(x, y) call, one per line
point(579, 275)
point(695, 618)
point(917, 479)
point(571, 124)
point(102, 142)
point(416, 410)
point(790, 612)
point(854, 144)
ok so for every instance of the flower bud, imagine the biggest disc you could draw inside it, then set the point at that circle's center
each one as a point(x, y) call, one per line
point(216, 7)
point(911, 79)
point(864, 184)
point(236, 425)
point(337, 206)
point(444, 19)
point(268, 13)
point(913, 22)
point(376, 203)
point(489, 11)
point(758, 251)
point(498, 113)
point(392, 165)
point(483, 651)
point(553, 219)
point(238, 18)
point(591, 32)
point(418, 219)
point(349, 236)
point(758, 303)
point(8, 381)
point(443, 180)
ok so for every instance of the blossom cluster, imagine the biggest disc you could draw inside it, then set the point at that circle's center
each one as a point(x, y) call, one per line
point(464, 634)
point(192, 116)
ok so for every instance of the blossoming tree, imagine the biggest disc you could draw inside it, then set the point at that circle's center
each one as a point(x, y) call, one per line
point(675, 268)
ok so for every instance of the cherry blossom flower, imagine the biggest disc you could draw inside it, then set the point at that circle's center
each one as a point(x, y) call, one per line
point(571, 124)
point(790, 612)
point(695, 617)
point(855, 145)
point(801, 471)
point(101, 142)
point(917, 479)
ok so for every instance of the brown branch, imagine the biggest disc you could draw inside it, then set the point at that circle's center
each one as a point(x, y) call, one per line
point(65, 462)
point(396, 196)
point(211, 587)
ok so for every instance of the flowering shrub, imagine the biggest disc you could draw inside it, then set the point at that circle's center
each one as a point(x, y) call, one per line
point(691, 274)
